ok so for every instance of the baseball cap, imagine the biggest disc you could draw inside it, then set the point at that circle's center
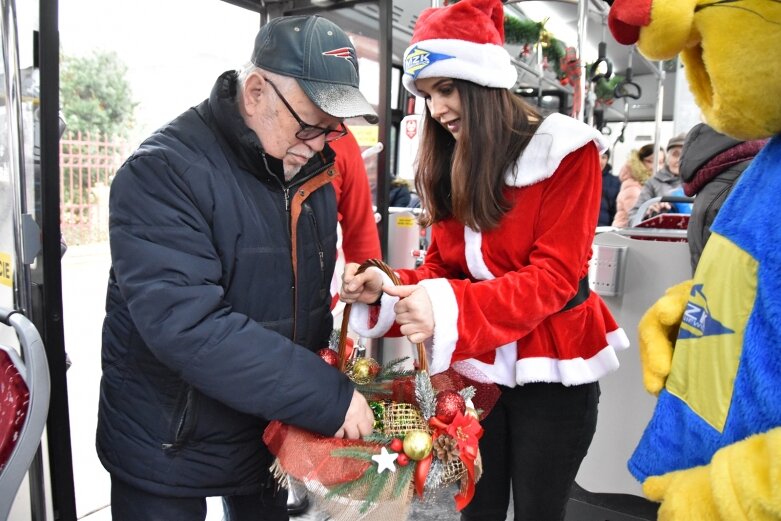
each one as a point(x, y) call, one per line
point(676, 141)
point(320, 56)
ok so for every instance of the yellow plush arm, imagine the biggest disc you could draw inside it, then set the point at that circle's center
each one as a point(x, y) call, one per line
point(741, 482)
point(657, 332)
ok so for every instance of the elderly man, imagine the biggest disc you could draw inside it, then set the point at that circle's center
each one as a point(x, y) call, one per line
point(223, 236)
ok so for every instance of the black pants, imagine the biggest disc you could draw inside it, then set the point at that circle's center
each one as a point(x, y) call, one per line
point(131, 504)
point(535, 439)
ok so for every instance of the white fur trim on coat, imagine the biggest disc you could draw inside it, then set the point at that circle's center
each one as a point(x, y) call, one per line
point(473, 242)
point(359, 314)
point(618, 339)
point(556, 137)
point(485, 64)
point(445, 323)
point(502, 371)
point(569, 372)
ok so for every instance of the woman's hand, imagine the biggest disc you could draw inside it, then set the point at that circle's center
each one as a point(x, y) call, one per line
point(656, 209)
point(363, 287)
point(414, 312)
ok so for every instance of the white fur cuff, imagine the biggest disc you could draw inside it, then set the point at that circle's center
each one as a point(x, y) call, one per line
point(359, 315)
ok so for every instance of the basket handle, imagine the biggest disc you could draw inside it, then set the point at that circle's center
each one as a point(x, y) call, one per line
point(342, 350)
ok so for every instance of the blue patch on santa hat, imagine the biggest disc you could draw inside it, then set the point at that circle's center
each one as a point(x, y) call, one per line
point(417, 59)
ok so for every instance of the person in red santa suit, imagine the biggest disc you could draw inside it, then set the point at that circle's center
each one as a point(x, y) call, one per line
point(512, 199)
point(360, 237)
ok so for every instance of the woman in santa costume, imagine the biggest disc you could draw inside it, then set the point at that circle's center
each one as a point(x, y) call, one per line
point(512, 199)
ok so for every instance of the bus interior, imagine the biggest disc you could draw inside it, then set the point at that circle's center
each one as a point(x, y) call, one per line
point(173, 51)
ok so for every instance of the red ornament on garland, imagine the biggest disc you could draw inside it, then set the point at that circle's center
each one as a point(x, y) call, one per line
point(397, 445)
point(402, 459)
point(329, 355)
point(448, 404)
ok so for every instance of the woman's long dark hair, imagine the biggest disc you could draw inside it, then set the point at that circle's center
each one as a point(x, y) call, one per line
point(465, 179)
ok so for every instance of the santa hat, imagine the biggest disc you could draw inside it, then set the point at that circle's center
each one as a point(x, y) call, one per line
point(463, 41)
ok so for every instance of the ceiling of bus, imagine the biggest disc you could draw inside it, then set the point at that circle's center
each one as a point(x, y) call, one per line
point(362, 18)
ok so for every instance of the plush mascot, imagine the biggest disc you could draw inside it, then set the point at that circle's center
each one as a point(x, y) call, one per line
point(711, 347)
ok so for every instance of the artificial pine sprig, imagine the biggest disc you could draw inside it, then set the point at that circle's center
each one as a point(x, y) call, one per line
point(345, 488)
point(379, 438)
point(362, 453)
point(393, 370)
point(372, 479)
point(375, 488)
point(435, 473)
point(424, 392)
point(467, 393)
point(403, 477)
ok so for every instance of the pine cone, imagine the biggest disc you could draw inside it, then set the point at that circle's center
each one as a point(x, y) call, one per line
point(446, 448)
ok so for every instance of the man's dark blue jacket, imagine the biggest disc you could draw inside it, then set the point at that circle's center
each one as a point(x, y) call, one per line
point(218, 297)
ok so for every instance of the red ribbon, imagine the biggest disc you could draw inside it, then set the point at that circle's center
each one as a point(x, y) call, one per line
point(421, 472)
point(466, 430)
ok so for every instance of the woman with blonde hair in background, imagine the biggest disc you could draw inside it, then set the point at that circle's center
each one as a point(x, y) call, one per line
point(635, 172)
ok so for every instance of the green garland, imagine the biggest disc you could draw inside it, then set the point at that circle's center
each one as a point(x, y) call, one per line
point(529, 32)
point(375, 481)
point(605, 89)
point(522, 31)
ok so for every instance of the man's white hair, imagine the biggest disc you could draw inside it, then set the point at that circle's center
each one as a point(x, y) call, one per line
point(283, 83)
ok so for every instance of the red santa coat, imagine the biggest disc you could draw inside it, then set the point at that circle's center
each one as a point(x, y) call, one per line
point(497, 295)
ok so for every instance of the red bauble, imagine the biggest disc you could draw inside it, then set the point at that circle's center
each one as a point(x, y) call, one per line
point(448, 404)
point(329, 355)
point(397, 445)
point(402, 459)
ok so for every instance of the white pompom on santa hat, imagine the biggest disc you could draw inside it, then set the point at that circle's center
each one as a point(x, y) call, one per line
point(462, 41)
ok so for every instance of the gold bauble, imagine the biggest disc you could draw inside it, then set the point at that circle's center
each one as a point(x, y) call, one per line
point(363, 370)
point(417, 444)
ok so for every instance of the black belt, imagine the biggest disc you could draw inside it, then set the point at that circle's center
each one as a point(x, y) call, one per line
point(580, 297)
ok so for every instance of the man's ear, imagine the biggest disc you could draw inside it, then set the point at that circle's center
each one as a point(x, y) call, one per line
point(252, 93)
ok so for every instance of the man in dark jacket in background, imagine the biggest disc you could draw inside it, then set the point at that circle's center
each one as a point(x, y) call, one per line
point(223, 236)
point(610, 188)
point(711, 164)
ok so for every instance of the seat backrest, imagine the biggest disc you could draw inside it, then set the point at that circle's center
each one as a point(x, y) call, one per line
point(24, 405)
point(14, 403)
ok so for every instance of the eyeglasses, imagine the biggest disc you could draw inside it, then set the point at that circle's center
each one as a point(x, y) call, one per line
point(308, 131)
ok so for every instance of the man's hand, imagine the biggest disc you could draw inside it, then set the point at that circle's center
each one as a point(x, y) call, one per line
point(358, 421)
point(363, 287)
point(414, 312)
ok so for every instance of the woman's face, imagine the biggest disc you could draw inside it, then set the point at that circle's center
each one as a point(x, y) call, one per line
point(648, 161)
point(443, 102)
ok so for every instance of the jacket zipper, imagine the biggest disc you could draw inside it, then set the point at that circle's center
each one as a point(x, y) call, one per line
point(320, 252)
point(286, 191)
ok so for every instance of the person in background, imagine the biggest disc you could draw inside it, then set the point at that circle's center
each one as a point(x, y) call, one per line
point(610, 188)
point(399, 195)
point(512, 199)
point(664, 181)
point(360, 238)
point(223, 241)
point(359, 233)
point(710, 165)
point(635, 172)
